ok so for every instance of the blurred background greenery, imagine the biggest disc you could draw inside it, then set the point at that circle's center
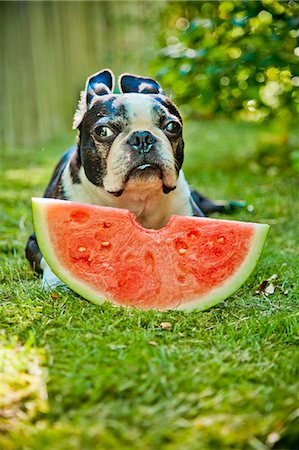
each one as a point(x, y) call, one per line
point(230, 58)
point(236, 58)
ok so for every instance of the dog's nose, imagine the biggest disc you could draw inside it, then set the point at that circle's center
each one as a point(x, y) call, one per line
point(142, 141)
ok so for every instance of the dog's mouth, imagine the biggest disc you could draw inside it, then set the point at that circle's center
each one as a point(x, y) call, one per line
point(144, 172)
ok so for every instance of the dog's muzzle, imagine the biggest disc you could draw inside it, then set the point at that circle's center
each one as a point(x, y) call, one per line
point(146, 162)
point(142, 141)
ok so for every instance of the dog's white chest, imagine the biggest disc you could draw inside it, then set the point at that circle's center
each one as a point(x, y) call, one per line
point(147, 202)
point(146, 205)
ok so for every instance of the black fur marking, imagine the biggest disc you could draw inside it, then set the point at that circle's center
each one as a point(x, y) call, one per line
point(33, 254)
point(89, 97)
point(75, 165)
point(163, 112)
point(110, 111)
point(93, 153)
point(169, 105)
point(116, 193)
point(55, 189)
point(179, 155)
point(93, 162)
point(196, 210)
point(209, 207)
point(167, 189)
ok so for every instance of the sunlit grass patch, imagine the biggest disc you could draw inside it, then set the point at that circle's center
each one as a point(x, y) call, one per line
point(23, 396)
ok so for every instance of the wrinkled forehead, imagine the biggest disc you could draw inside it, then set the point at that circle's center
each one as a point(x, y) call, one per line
point(146, 107)
point(141, 109)
point(138, 110)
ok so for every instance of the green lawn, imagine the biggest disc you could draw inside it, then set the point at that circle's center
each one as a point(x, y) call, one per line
point(80, 376)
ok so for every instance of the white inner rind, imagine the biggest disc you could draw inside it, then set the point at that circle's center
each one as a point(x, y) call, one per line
point(216, 295)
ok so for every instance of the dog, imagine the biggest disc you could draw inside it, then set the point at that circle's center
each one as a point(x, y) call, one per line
point(129, 154)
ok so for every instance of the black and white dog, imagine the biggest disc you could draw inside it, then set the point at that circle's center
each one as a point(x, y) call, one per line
point(129, 155)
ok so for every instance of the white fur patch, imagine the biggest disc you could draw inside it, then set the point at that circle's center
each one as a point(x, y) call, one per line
point(144, 86)
point(49, 280)
point(139, 108)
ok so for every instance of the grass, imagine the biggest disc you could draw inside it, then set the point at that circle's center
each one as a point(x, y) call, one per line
point(81, 376)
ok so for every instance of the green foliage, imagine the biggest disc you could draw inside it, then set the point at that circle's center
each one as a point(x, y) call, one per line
point(80, 376)
point(232, 57)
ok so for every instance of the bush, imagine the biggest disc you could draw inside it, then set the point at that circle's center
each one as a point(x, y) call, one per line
point(233, 58)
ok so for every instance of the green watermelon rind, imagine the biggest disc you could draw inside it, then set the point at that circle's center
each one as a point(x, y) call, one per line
point(203, 302)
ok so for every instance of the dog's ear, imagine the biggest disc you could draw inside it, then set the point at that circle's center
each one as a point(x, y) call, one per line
point(132, 83)
point(100, 83)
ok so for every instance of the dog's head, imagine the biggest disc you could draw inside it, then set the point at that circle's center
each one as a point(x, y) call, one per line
point(128, 139)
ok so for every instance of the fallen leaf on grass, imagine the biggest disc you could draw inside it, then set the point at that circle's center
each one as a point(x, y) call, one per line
point(270, 289)
point(267, 287)
point(262, 287)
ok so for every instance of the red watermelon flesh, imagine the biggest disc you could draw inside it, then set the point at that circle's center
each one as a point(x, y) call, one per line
point(104, 253)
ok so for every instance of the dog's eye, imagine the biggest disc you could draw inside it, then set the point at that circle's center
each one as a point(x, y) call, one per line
point(103, 132)
point(173, 127)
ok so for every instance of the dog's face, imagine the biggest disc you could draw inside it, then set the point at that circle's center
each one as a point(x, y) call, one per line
point(129, 139)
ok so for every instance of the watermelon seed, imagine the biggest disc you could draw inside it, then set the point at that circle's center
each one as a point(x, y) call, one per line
point(193, 234)
point(79, 216)
point(149, 260)
point(181, 278)
point(106, 244)
point(82, 249)
point(107, 225)
point(180, 245)
point(129, 257)
point(182, 251)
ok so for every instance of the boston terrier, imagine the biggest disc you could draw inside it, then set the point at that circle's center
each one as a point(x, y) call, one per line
point(129, 154)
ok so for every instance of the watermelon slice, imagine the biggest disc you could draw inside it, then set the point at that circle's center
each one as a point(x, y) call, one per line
point(104, 253)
